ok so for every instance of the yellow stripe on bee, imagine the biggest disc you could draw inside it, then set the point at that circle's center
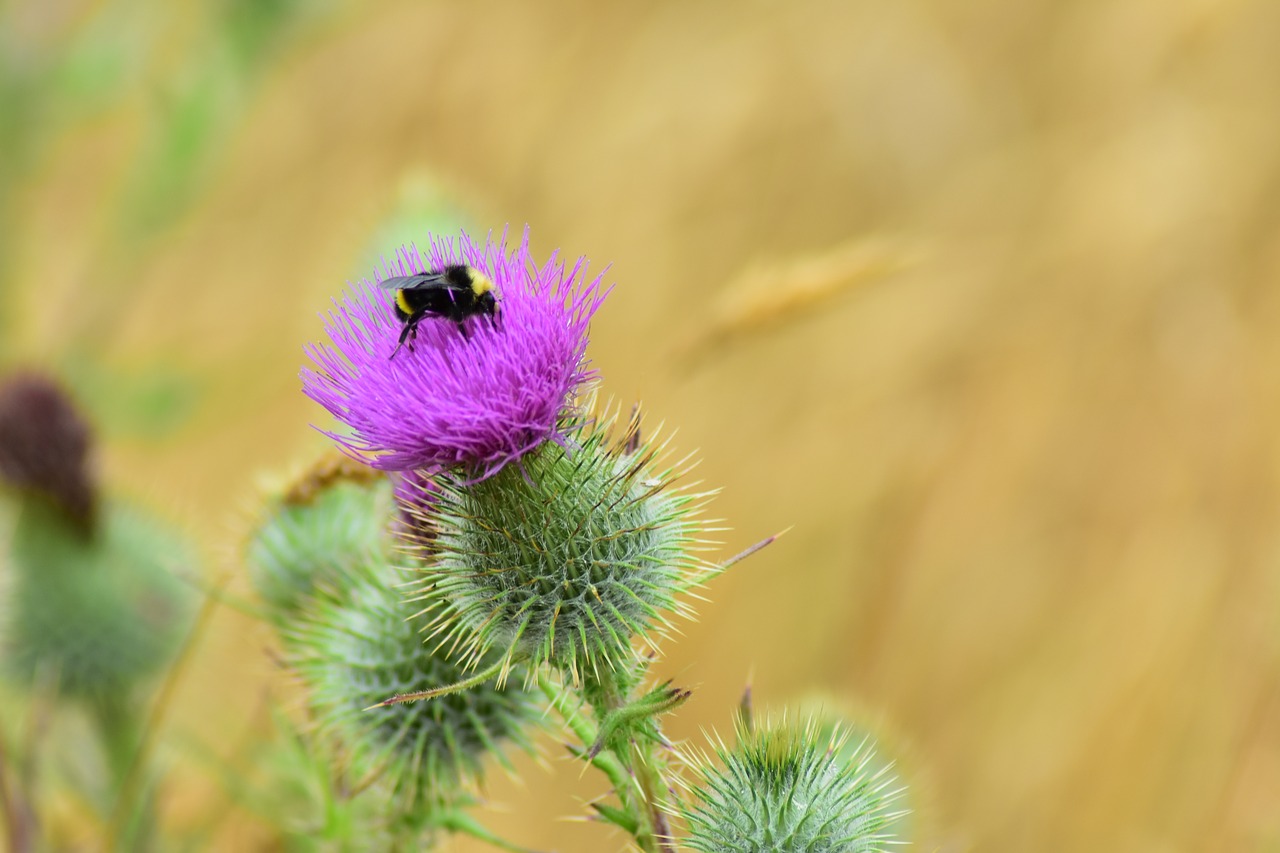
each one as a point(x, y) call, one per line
point(402, 303)
point(480, 283)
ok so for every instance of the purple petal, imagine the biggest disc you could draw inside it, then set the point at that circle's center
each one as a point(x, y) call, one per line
point(452, 401)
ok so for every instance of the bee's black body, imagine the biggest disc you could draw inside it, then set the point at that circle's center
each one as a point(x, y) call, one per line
point(454, 293)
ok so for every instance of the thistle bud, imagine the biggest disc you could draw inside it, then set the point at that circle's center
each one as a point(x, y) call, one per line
point(354, 652)
point(564, 558)
point(784, 788)
point(323, 560)
point(326, 527)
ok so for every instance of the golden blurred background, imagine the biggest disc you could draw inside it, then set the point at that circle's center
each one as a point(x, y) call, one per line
point(983, 298)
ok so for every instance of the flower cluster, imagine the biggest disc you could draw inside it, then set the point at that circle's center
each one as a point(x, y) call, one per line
point(543, 551)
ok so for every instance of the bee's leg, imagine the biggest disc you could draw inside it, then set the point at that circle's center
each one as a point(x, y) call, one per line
point(410, 329)
point(462, 327)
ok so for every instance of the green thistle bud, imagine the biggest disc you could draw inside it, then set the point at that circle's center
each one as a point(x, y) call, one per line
point(97, 614)
point(328, 525)
point(563, 558)
point(786, 789)
point(353, 653)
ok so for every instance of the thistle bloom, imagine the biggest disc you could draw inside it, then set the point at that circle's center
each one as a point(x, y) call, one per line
point(478, 401)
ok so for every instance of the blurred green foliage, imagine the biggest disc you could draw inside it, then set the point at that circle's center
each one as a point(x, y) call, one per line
point(83, 62)
point(141, 403)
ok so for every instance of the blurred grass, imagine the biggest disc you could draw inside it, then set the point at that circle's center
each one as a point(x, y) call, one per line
point(1033, 472)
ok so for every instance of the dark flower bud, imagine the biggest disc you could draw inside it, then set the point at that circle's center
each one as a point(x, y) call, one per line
point(44, 447)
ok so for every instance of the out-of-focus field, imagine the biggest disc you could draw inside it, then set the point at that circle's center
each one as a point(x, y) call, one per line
point(983, 298)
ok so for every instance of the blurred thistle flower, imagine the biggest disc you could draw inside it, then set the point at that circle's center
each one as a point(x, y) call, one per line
point(787, 788)
point(479, 401)
point(355, 651)
point(94, 600)
point(563, 559)
point(44, 447)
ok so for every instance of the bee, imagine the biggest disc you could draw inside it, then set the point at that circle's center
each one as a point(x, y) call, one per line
point(455, 293)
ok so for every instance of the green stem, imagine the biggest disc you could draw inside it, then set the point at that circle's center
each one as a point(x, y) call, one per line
point(653, 833)
point(585, 732)
point(653, 788)
point(120, 735)
point(18, 817)
point(134, 779)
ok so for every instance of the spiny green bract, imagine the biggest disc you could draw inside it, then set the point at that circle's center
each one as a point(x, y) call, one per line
point(329, 525)
point(99, 614)
point(563, 558)
point(354, 652)
point(784, 789)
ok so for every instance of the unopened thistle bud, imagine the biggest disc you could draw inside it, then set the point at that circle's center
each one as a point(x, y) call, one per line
point(564, 558)
point(355, 651)
point(325, 528)
point(784, 788)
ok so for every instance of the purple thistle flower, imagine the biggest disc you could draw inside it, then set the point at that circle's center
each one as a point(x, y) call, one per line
point(478, 401)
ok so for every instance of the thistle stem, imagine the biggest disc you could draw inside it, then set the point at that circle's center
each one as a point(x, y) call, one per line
point(652, 783)
point(120, 734)
point(654, 830)
point(18, 817)
point(133, 777)
point(585, 732)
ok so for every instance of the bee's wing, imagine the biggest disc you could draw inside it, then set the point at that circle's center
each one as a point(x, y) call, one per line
point(404, 282)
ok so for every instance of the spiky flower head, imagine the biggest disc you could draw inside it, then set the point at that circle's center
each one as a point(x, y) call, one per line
point(44, 447)
point(785, 788)
point(355, 651)
point(479, 400)
point(564, 558)
point(328, 525)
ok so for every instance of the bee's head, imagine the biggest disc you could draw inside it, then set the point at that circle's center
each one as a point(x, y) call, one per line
point(487, 303)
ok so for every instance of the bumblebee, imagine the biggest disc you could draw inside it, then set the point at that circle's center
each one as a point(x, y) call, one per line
point(455, 293)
